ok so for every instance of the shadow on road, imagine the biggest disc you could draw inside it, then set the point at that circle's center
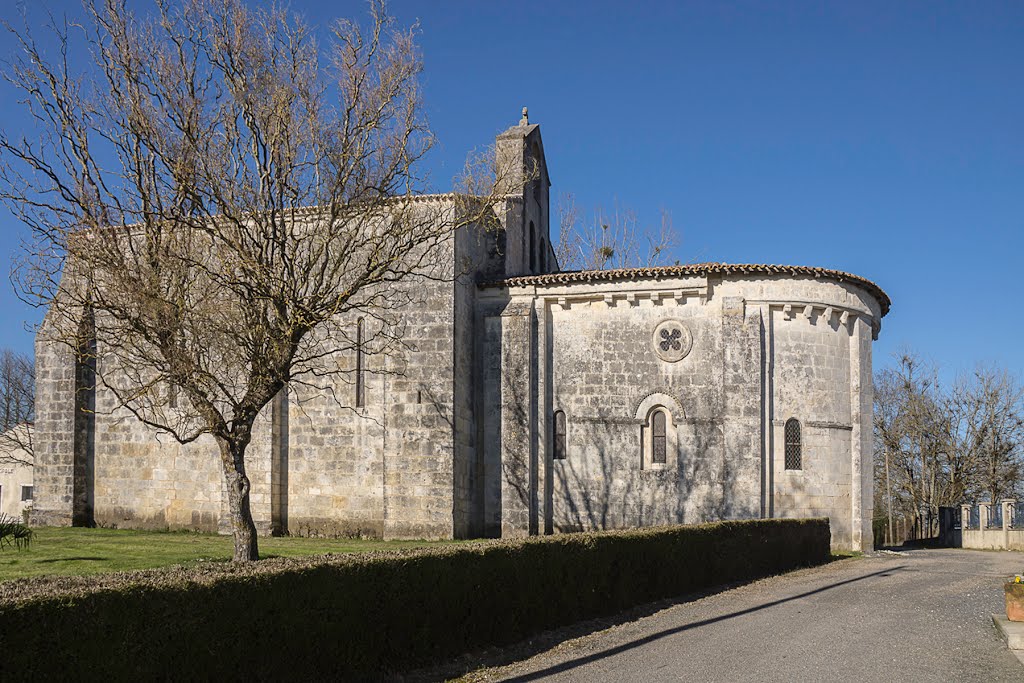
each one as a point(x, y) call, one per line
point(565, 666)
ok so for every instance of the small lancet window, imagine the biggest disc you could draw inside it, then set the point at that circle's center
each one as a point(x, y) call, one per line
point(360, 386)
point(559, 453)
point(658, 447)
point(794, 454)
point(533, 251)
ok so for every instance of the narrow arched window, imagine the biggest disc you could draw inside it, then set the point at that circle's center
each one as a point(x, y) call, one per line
point(543, 260)
point(360, 386)
point(533, 251)
point(794, 454)
point(658, 448)
point(559, 453)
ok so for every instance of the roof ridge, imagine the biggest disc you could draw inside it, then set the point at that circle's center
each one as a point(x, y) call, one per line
point(312, 210)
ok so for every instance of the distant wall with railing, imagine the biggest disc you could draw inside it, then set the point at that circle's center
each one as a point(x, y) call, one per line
point(993, 526)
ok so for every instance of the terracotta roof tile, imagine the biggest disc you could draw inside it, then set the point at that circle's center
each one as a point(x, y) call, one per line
point(578, 276)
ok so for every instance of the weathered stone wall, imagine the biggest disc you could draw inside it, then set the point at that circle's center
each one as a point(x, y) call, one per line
point(387, 467)
point(319, 464)
point(760, 350)
point(811, 363)
point(500, 406)
point(862, 386)
point(479, 255)
point(603, 369)
point(143, 479)
point(419, 440)
point(456, 434)
point(53, 475)
point(335, 453)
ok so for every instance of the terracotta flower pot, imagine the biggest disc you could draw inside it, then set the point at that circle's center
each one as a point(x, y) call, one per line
point(1014, 601)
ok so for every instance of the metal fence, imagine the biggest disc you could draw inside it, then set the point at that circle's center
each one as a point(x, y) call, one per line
point(1017, 516)
point(995, 516)
point(974, 519)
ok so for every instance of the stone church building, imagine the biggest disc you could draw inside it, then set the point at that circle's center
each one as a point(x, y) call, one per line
point(533, 401)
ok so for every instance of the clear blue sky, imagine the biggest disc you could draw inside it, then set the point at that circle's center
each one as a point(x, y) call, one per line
point(884, 139)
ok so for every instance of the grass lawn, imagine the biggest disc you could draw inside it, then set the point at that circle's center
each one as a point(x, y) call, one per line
point(71, 550)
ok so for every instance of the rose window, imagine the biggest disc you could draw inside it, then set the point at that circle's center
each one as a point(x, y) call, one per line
point(672, 340)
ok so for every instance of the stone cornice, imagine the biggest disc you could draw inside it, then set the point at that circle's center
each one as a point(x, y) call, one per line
point(704, 269)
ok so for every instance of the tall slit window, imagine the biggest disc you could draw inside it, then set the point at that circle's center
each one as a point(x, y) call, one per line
point(794, 450)
point(533, 251)
point(559, 453)
point(658, 450)
point(360, 383)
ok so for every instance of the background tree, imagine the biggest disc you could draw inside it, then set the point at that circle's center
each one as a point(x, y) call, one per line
point(937, 446)
point(988, 433)
point(17, 407)
point(214, 196)
point(907, 418)
point(611, 239)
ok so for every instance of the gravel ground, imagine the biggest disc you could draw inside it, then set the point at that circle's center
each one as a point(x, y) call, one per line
point(919, 615)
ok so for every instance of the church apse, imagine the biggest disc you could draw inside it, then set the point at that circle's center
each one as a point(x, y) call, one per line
point(661, 392)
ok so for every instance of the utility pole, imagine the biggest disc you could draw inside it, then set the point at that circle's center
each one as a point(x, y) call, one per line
point(888, 496)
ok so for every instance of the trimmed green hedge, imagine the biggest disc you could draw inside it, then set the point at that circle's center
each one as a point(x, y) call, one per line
point(343, 616)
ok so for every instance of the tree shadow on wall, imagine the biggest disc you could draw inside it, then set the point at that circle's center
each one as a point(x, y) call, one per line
point(516, 462)
point(601, 484)
point(588, 499)
point(712, 470)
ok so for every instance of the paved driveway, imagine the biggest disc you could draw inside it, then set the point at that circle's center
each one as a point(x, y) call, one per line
point(922, 615)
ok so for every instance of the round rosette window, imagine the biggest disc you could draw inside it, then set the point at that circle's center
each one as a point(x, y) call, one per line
point(672, 340)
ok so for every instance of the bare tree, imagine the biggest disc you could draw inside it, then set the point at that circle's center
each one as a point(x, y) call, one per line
point(887, 416)
point(936, 446)
point(610, 239)
point(17, 407)
point(212, 199)
point(908, 424)
point(988, 433)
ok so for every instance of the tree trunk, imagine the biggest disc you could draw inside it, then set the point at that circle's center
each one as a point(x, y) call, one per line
point(244, 529)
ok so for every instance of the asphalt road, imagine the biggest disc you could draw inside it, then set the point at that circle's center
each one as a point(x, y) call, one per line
point(921, 615)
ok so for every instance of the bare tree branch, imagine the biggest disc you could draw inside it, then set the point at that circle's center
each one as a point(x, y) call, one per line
point(17, 408)
point(215, 196)
point(937, 446)
point(611, 239)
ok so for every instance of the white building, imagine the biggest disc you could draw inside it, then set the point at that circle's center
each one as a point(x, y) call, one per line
point(16, 491)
